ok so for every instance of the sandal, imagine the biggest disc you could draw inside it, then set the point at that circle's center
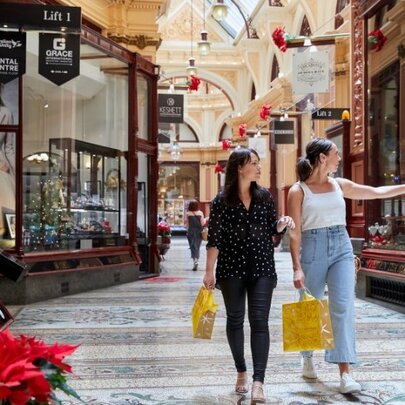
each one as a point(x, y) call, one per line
point(258, 393)
point(241, 386)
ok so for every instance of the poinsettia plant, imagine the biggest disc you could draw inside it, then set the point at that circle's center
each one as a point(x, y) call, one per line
point(163, 229)
point(193, 83)
point(281, 38)
point(376, 40)
point(265, 111)
point(226, 144)
point(218, 168)
point(31, 370)
point(242, 130)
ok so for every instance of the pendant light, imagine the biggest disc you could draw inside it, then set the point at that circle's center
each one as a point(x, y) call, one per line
point(204, 46)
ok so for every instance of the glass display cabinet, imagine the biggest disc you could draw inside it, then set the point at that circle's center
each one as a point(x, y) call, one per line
point(78, 204)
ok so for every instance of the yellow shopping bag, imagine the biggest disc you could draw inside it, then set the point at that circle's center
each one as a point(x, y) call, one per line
point(307, 325)
point(203, 314)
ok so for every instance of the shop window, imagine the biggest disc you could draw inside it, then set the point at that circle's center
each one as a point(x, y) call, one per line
point(8, 117)
point(142, 85)
point(178, 184)
point(7, 187)
point(74, 145)
point(275, 69)
point(386, 220)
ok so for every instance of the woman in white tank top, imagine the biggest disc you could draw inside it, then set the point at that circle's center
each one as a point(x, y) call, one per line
point(321, 250)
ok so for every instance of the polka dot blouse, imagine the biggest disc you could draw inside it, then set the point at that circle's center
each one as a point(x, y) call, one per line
point(243, 238)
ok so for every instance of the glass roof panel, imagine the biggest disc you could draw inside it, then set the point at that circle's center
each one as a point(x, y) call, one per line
point(235, 22)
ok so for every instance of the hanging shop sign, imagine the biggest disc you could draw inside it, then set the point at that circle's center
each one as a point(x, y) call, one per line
point(12, 55)
point(329, 113)
point(283, 132)
point(311, 72)
point(59, 57)
point(38, 16)
point(171, 108)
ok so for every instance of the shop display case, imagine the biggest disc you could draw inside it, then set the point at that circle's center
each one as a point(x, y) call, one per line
point(172, 210)
point(78, 203)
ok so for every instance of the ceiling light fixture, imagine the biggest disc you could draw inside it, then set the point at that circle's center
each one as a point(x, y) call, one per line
point(204, 46)
point(219, 10)
point(191, 68)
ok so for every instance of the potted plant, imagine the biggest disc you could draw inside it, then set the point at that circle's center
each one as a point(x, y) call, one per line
point(165, 235)
point(31, 371)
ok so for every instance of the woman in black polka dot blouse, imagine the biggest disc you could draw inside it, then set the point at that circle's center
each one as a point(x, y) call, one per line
point(242, 222)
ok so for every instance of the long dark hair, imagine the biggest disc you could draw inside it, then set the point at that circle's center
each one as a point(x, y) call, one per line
point(307, 164)
point(239, 157)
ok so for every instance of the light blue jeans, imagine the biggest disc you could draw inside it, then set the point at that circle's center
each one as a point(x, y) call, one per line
point(327, 259)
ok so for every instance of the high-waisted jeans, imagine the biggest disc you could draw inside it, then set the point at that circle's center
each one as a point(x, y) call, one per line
point(259, 293)
point(327, 259)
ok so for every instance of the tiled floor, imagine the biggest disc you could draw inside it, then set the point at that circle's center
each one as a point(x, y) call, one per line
point(136, 345)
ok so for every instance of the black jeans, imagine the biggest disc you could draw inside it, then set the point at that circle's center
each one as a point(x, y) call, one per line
point(259, 293)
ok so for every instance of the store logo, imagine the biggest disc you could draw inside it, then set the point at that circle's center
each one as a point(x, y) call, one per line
point(59, 44)
point(170, 101)
point(10, 43)
point(311, 71)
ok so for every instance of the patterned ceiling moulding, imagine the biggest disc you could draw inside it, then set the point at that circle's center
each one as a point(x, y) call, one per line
point(358, 76)
point(145, 5)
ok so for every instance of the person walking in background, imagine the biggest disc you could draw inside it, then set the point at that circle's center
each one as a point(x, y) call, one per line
point(194, 222)
point(321, 249)
point(242, 221)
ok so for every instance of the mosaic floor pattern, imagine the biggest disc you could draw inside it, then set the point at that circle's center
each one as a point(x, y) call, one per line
point(136, 346)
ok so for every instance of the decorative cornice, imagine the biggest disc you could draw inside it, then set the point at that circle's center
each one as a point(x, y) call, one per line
point(140, 41)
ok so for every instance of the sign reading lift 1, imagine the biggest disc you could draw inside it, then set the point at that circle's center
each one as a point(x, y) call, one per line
point(59, 53)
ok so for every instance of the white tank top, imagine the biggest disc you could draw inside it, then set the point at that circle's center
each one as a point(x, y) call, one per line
point(320, 210)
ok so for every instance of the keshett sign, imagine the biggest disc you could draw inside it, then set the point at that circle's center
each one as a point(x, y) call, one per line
point(171, 108)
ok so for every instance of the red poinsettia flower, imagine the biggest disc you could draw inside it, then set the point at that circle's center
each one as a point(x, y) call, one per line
point(226, 144)
point(278, 36)
point(30, 369)
point(163, 228)
point(265, 111)
point(193, 83)
point(376, 39)
point(218, 168)
point(242, 130)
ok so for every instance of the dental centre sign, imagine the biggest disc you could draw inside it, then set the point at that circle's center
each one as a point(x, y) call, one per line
point(59, 51)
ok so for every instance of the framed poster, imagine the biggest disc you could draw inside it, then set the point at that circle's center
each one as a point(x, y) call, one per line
point(10, 219)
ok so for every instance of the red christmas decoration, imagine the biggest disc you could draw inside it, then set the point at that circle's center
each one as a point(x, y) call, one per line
point(242, 130)
point(279, 38)
point(218, 168)
point(265, 111)
point(226, 144)
point(193, 83)
point(376, 39)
